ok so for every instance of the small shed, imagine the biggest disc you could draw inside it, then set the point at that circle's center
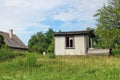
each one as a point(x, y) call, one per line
point(75, 43)
point(12, 41)
point(72, 43)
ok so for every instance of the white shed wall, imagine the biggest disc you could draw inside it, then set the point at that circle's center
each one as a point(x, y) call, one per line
point(80, 46)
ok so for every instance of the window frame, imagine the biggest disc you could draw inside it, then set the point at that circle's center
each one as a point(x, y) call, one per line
point(73, 42)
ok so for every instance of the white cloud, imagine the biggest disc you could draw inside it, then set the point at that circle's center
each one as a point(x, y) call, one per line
point(21, 15)
point(42, 5)
point(82, 10)
point(16, 3)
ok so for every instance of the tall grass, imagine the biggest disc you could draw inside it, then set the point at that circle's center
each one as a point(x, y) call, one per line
point(8, 54)
point(51, 55)
point(38, 67)
point(29, 61)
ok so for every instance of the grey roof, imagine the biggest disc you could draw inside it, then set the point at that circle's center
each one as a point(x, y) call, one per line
point(15, 42)
point(90, 33)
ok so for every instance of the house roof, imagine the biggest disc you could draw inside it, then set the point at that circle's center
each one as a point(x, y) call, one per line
point(15, 42)
point(90, 33)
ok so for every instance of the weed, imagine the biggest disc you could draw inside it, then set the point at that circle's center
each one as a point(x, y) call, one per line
point(61, 68)
point(51, 55)
point(5, 53)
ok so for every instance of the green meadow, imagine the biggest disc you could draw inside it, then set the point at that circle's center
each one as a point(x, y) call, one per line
point(48, 67)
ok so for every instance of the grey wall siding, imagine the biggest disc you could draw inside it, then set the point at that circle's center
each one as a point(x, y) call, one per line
point(80, 45)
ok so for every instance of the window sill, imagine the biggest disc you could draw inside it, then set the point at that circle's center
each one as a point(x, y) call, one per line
point(69, 48)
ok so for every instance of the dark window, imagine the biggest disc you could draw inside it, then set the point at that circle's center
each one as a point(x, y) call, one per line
point(69, 42)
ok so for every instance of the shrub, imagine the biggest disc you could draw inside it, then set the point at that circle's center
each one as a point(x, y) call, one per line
point(5, 53)
point(51, 56)
point(28, 61)
point(18, 53)
point(115, 53)
point(51, 48)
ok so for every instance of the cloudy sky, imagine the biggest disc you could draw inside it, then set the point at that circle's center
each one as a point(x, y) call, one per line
point(27, 17)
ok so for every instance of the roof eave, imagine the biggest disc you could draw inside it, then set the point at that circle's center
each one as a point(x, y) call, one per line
point(18, 48)
point(90, 33)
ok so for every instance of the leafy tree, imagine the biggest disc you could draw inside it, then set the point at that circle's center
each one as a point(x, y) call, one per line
point(50, 40)
point(49, 35)
point(41, 42)
point(37, 42)
point(51, 47)
point(108, 25)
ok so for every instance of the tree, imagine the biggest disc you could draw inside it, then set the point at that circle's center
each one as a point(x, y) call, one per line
point(41, 42)
point(108, 25)
point(50, 40)
point(49, 35)
point(38, 43)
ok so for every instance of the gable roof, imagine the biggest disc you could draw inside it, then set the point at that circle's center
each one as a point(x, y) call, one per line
point(15, 42)
point(90, 33)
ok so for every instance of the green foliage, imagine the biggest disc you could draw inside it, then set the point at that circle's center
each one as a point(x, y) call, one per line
point(49, 35)
point(109, 38)
point(5, 53)
point(31, 59)
point(51, 47)
point(8, 54)
point(116, 53)
point(51, 55)
point(41, 42)
point(28, 61)
point(62, 68)
point(108, 26)
point(37, 43)
point(50, 41)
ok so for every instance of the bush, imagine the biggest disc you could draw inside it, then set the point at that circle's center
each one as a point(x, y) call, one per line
point(115, 53)
point(28, 61)
point(51, 56)
point(5, 53)
point(18, 53)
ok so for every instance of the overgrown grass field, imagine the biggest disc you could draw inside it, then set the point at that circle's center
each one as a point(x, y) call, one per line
point(38, 67)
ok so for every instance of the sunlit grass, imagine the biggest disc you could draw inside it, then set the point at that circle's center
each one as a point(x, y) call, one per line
point(61, 68)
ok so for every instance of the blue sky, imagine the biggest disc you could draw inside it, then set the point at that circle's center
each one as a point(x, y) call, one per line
point(27, 17)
